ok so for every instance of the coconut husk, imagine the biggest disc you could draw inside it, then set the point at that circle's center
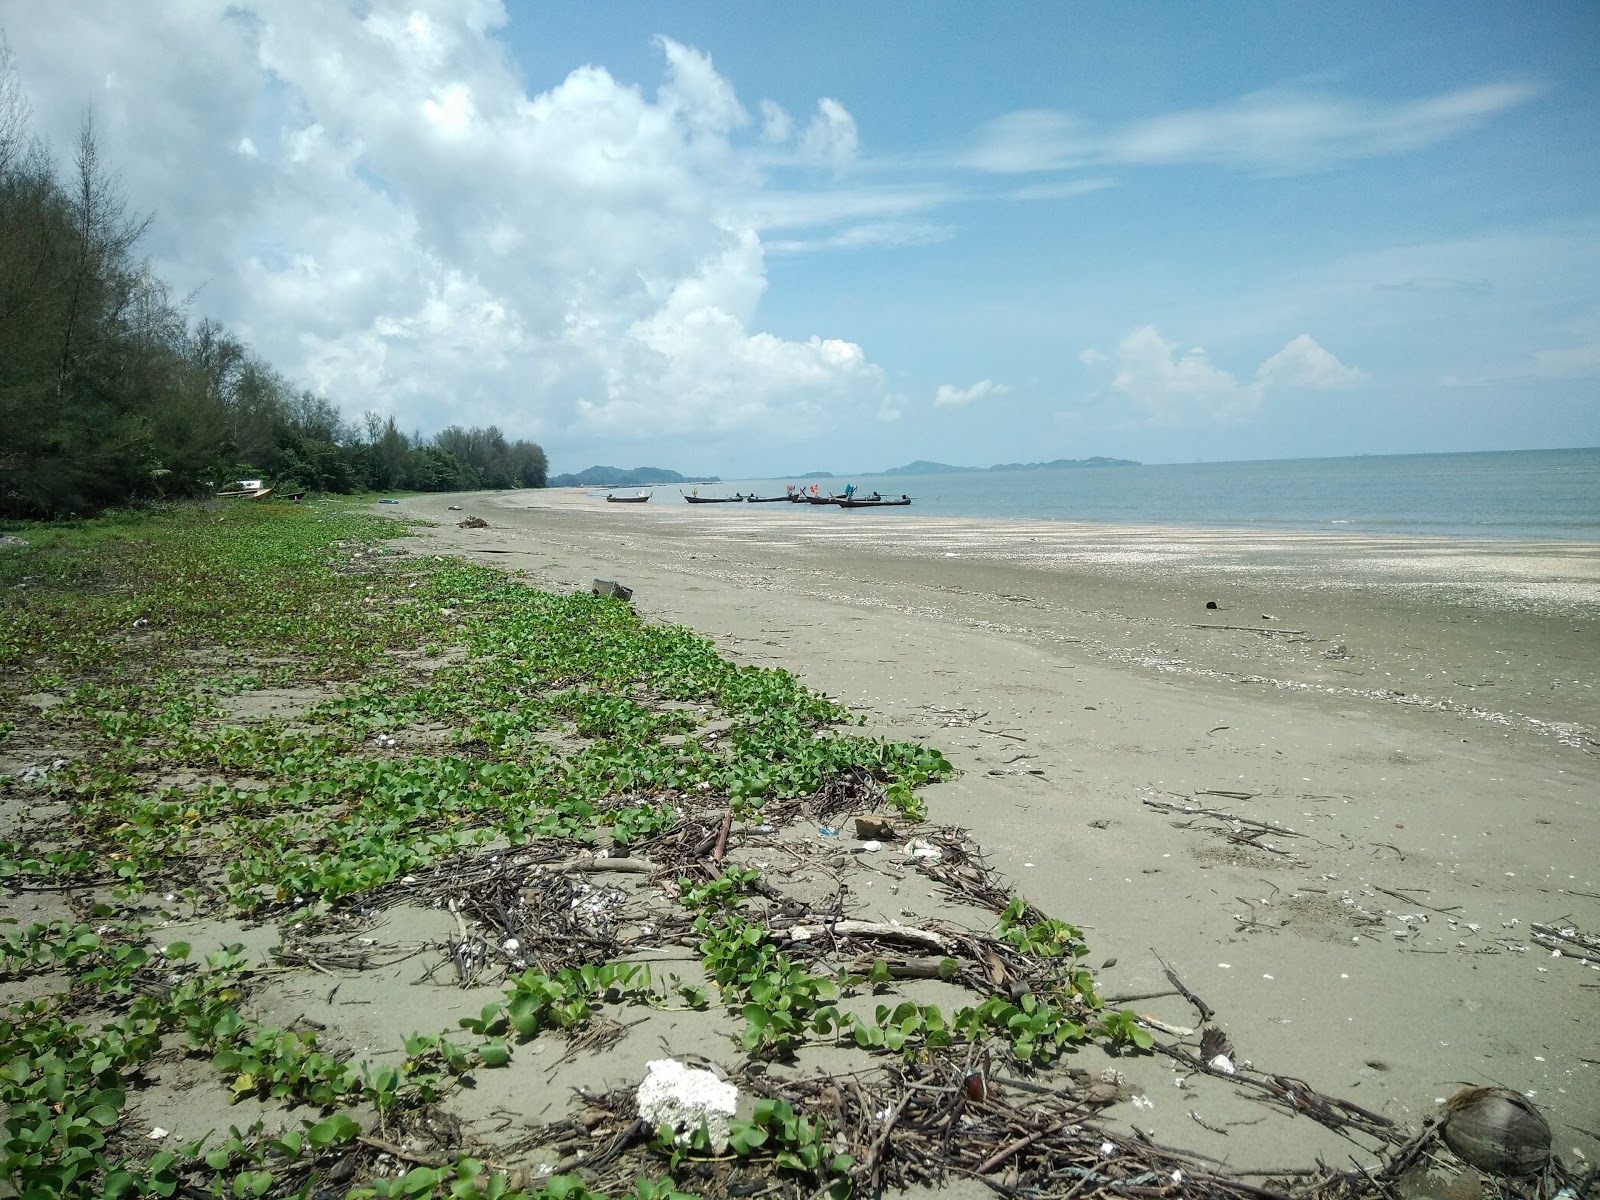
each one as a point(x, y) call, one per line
point(1496, 1130)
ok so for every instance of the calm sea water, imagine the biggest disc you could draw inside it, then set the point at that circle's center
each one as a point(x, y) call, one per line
point(1551, 494)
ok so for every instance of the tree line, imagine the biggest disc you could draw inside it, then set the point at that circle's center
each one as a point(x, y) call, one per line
point(110, 394)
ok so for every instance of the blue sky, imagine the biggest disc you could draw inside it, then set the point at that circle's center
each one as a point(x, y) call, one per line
point(754, 239)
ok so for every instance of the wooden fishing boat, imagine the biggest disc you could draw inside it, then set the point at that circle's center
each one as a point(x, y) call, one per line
point(610, 499)
point(712, 499)
point(766, 499)
point(822, 500)
point(874, 501)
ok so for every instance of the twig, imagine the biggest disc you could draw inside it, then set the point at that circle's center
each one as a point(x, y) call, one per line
point(721, 847)
point(1252, 629)
point(1005, 1152)
point(1205, 1010)
point(1442, 911)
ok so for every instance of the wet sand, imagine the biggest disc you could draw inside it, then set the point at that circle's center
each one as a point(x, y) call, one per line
point(1414, 719)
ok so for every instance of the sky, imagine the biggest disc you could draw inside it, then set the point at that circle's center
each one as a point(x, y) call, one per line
point(753, 240)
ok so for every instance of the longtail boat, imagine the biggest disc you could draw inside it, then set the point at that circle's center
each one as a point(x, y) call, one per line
point(875, 502)
point(610, 499)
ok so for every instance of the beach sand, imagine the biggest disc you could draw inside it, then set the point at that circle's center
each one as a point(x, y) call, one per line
point(1415, 720)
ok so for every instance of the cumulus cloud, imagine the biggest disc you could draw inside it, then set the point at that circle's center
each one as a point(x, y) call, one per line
point(372, 196)
point(950, 396)
point(1279, 130)
point(1304, 364)
point(1165, 385)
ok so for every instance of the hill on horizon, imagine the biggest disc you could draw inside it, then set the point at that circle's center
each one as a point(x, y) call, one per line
point(923, 467)
point(599, 476)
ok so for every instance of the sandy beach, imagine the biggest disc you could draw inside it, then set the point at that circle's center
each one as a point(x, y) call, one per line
point(1338, 803)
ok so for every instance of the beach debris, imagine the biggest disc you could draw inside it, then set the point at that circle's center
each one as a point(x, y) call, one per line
point(1205, 1010)
point(684, 1098)
point(827, 831)
point(874, 827)
point(386, 501)
point(454, 507)
point(610, 587)
point(1214, 1043)
point(1496, 1130)
point(872, 846)
point(1566, 941)
point(40, 770)
point(7, 542)
point(1153, 1022)
point(472, 523)
point(721, 848)
point(1211, 604)
point(1221, 1064)
point(883, 931)
point(920, 848)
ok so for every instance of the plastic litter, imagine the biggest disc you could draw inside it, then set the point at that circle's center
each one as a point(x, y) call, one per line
point(610, 587)
point(917, 848)
point(684, 1098)
point(827, 831)
point(872, 845)
point(1222, 1064)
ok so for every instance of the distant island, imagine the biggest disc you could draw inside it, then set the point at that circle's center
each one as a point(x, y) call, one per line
point(622, 477)
point(816, 475)
point(923, 467)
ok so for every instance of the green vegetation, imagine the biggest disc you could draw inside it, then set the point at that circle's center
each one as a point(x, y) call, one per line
point(441, 712)
point(140, 632)
point(109, 393)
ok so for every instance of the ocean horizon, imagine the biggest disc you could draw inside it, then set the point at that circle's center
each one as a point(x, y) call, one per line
point(1499, 494)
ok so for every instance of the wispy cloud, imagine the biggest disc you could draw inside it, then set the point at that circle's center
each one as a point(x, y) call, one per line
point(950, 396)
point(1577, 358)
point(1280, 130)
point(883, 234)
point(1066, 189)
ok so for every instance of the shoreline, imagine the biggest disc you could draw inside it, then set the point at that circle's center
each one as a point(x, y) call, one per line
point(1076, 697)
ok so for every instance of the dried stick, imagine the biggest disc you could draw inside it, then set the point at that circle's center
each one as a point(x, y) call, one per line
point(721, 847)
point(1205, 1010)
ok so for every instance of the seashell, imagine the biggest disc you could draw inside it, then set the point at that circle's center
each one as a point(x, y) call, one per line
point(1496, 1130)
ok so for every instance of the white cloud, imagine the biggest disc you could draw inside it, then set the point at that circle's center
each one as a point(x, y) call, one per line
point(369, 193)
point(1578, 358)
point(1066, 189)
point(831, 138)
point(1167, 386)
point(1304, 364)
point(950, 396)
point(776, 125)
point(887, 234)
point(1279, 130)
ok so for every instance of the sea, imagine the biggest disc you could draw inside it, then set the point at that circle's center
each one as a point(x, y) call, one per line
point(1513, 494)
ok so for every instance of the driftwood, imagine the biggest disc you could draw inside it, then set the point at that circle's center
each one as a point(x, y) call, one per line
point(589, 864)
point(1255, 629)
point(931, 967)
point(880, 930)
point(1567, 940)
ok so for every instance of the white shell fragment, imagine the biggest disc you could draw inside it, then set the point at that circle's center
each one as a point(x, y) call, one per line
point(684, 1098)
point(1222, 1064)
